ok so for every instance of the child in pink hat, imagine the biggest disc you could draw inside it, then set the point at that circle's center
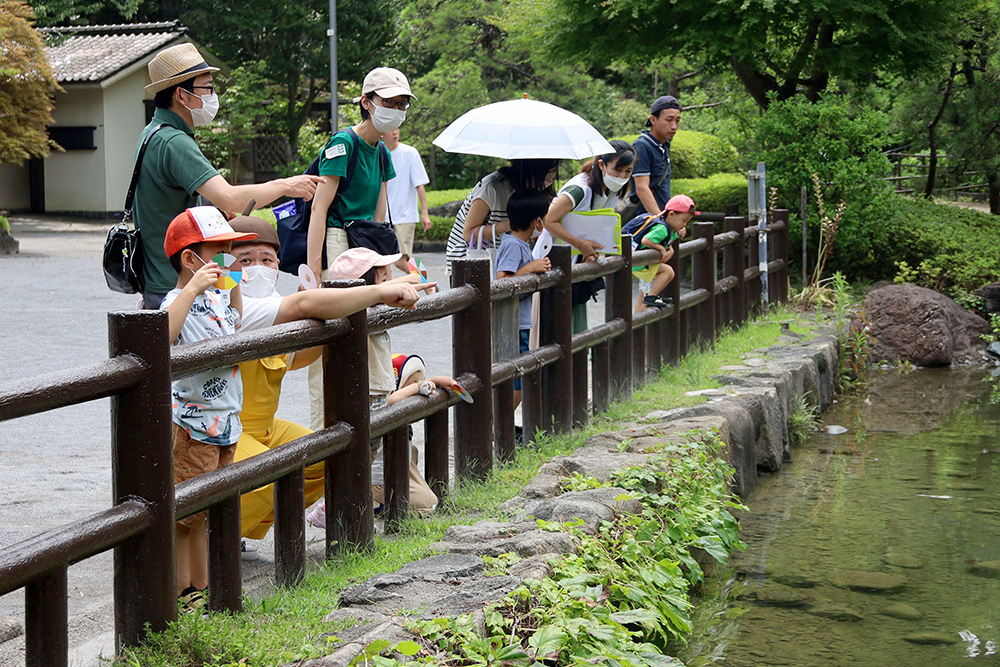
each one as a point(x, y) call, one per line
point(658, 232)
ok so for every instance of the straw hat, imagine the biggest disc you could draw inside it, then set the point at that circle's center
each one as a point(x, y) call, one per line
point(175, 65)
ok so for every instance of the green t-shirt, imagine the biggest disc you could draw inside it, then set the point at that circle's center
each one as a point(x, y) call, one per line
point(661, 234)
point(173, 169)
point(358, 202)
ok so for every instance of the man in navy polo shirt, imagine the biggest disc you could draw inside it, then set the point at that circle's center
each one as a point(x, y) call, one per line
point(651, 176)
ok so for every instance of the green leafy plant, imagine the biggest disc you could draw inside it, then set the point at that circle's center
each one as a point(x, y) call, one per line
point(624, 596)
point(4, 224)
point(994, 333)
point(803, 419)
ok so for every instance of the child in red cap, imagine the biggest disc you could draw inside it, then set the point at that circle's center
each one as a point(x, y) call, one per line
point(658, 232)
point(205, 304)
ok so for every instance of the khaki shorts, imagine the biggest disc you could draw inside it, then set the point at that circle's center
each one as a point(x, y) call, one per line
point(404, 232)
point(193, 458)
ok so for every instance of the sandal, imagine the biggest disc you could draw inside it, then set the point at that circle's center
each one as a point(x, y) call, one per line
point(656, 300)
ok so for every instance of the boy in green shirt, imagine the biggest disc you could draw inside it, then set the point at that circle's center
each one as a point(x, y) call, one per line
point(659, 233)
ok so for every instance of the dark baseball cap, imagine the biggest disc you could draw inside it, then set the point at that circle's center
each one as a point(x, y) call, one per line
point(661, 103)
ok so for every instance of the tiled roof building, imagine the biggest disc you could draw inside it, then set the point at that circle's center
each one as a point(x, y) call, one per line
point(93, 53)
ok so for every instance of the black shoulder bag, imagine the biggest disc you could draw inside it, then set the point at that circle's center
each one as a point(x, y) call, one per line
point(378, 236)
point(123, 248)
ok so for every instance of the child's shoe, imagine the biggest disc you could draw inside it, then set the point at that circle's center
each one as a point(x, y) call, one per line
point(656, 300)
point(191, 601)
point(317, 517)
point(248, 551)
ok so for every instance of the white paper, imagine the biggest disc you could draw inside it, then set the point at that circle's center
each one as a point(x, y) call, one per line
point(594, 226)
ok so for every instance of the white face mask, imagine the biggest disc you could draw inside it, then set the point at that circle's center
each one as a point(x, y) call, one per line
point(209, 107)
point(613, 183)
point(259, 281)
point(386, 120)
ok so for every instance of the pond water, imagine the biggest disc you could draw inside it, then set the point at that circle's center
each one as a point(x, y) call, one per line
point(892, 517)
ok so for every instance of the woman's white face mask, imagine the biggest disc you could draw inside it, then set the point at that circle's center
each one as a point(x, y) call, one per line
point(259, 282)
point(386, 120)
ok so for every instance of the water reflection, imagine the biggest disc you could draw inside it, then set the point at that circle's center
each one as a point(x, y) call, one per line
point(861, 550)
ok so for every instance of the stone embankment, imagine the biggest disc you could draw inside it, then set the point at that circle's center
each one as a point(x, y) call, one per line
point(750, 414)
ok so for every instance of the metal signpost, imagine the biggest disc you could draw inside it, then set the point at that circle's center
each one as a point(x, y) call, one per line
point(757, 200)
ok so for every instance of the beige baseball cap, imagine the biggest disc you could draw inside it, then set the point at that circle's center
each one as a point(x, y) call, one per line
point(176, 65)
point(385, 82)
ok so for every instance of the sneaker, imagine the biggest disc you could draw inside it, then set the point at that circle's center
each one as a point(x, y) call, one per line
point(656, 300)
point(317, 517)
point(248, 551)
point(191, 601)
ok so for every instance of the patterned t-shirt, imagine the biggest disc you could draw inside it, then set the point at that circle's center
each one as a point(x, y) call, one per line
point(495, 190)
point(208, 405)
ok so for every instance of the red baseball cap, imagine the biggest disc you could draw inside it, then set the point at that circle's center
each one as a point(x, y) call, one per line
point(681, 204)
point(197, 224)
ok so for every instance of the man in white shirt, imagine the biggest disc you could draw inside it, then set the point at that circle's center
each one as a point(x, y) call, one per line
point(404, 192)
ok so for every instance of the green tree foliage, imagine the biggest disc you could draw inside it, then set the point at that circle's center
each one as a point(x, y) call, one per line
point(777, 49)
point(26, 86)
point(290, 43)
point(84, 12)
point(797, 139)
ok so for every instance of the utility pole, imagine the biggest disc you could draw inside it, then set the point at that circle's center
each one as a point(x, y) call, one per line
point(332, 34)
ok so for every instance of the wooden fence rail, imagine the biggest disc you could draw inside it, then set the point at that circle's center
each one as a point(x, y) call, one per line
point(557, 384)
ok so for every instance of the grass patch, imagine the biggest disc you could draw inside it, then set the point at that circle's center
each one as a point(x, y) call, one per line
point(442, 197)
point(287, 625)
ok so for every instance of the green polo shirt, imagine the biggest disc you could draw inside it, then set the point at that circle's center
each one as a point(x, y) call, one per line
point(360, 199)
point(173, 169)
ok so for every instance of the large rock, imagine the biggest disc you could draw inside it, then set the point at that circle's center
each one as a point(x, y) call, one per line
point(492, 538)
point(989, 568)
point(771, 421)
point(594, 461)
point(742, 434)
point(591, 506)
point(868, 582)
point(919, 325)
point(902, 611)
point(990, 294)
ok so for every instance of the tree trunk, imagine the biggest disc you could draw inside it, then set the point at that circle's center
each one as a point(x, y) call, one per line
point(757, 83)
point(993, 182)
point(932, 133)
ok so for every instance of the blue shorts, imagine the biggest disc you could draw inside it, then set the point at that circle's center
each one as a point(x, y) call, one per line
point(522, 346)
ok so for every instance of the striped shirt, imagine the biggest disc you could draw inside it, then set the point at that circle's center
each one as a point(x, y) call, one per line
point(495, 190)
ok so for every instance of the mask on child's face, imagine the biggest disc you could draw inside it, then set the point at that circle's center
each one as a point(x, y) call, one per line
point(259, 282)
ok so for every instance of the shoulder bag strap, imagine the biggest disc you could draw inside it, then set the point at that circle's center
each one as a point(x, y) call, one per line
point(127, 213)
point(345, 182)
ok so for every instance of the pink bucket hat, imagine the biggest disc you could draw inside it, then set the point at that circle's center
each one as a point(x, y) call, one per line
point(356, 262)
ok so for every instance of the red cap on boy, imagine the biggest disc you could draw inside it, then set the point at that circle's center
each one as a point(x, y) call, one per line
point(681, 204)
point(197, 224)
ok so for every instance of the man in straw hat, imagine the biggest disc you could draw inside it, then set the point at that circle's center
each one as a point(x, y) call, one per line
point(175, 172)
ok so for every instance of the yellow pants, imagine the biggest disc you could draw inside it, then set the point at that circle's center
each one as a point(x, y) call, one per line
point(257, 507)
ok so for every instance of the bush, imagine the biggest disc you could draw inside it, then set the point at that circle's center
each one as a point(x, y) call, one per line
point(439, 231)
point(713, 193)
point(437, 198)
point(955, 247)
point(797, 139)
point(4, 225)
point(697, 155)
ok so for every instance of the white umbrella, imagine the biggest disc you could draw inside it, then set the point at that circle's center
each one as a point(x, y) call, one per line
point(523, 129)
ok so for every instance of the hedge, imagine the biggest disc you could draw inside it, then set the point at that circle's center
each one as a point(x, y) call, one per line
point(712, 194)
point(698, 155)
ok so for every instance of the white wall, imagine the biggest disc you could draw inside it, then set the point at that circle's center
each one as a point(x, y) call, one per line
point(74, 180)
point(14, 187)
point(124, 118)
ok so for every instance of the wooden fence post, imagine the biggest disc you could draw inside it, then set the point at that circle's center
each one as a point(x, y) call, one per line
point(619, 306)
point(673, 330)
point(289, 528)
point(780, 250)
point(436, 443)
point(225, 566)
point(350, 521)
point(142, 464)
point(600, 364)
point(46, 613)
point(733, 264)
point(473, 353)
point(396, 481)
point(556, 326)
point(703, 277)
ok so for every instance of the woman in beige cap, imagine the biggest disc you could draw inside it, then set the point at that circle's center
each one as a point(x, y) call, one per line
point(175, 173)
point(385, 97)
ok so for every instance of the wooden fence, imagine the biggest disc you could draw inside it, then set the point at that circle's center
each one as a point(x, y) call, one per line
point(625, 350)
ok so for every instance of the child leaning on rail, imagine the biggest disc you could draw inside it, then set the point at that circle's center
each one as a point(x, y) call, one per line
point(205, 304)
point(525, 209)
point(658, 232)
point(376, 269)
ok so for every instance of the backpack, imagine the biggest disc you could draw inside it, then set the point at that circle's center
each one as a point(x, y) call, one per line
point(293, 230)
point(640, 225)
